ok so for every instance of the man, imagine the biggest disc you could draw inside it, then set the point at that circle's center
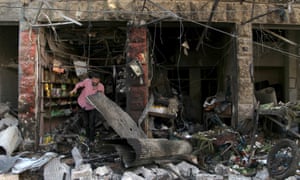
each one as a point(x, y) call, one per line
point(90, 86)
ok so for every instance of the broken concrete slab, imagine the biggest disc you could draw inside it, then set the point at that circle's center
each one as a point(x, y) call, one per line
point(130, 176)
point(7, 121)
point(187, 170)
point(24, 164)
point(10, 139)
point(206, 176)
point(115, 117)
point(84, 172)
point(103, 171)
point(6, 163)
point(77, 157)
point(56, 170)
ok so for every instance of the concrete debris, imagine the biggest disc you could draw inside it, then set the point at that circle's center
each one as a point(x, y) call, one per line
point(7, 162)
point(262, 174)
point(10, 139)
point(84, 172)
point(187, 170)
point(56, 170)
point(223, 170)
point(131, 176)
point(24, 164)
point(77, 157)
point(206, 176)
point(103, 172)
point(7, 121)
point(123, 152)
point(154, 173)
point(238, 177)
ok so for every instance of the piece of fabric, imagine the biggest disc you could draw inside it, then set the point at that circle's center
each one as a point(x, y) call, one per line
point(87, 90)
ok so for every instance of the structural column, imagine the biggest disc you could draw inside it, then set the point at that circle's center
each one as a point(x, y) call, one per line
point(137, 50)
point(244, 62)
point(27, 82)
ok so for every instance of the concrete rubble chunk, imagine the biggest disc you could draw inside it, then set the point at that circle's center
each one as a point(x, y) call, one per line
point(8, 121)
point(162, 174)
point(220, 169)
point(187, 170)
point(131, 176)
point(206, 176)
point(103, 171)
point(56, 170)
point(238, 177)
point(174, 170)
point(7, 162)
point(262, 174)
point(24, 164)
point(77, 157)
point(145, 172)
point(291, 178)
point(154, 173)
point(10, 139)
point(84, 172)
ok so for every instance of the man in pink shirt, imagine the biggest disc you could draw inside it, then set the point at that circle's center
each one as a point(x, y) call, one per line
point(89, 113)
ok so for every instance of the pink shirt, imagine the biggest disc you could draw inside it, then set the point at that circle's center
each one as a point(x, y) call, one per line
point(86, 91)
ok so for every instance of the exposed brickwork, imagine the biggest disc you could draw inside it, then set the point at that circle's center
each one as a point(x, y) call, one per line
point(138, 89)
point(245, 59)
point(27, 78)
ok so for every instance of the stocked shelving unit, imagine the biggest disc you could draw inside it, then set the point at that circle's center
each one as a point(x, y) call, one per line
point(57, 104)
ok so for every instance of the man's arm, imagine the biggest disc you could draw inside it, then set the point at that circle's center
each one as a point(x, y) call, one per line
point(77, 86)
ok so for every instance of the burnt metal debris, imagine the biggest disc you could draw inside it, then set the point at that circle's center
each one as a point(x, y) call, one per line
point(176, 150)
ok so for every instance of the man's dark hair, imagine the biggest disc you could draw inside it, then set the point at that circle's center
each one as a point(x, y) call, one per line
point(94, 75)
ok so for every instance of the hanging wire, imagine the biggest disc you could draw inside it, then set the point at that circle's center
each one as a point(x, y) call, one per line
point(181, 31)
point(221, 47)
point(286, 53)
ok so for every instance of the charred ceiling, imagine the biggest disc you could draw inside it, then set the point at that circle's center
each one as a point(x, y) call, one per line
point(100, 45)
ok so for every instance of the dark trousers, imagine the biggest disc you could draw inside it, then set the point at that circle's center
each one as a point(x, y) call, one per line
point(89, 119)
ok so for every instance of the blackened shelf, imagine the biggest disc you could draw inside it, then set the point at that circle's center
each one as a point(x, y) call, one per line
point(52, 117)
point(50, 82)
point(60, 97)
point(56, 105)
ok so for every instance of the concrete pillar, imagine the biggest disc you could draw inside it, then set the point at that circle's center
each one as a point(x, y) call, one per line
point(137, 96)
point(292, 67)
point(244, 61)
point(27, 81)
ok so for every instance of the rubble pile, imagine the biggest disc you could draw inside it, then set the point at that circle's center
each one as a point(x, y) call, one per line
point(185, 153)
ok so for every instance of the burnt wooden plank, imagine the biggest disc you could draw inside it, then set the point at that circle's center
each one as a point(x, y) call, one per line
point(118, 119)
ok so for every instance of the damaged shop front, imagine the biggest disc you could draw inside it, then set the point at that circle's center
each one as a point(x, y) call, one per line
point(162, 83)
point(167, 107)
point(179, 95)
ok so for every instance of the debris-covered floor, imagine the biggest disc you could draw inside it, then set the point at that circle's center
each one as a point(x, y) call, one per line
point(192, 151)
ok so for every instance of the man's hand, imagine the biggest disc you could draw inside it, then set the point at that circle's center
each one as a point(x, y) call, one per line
point(74, 91)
